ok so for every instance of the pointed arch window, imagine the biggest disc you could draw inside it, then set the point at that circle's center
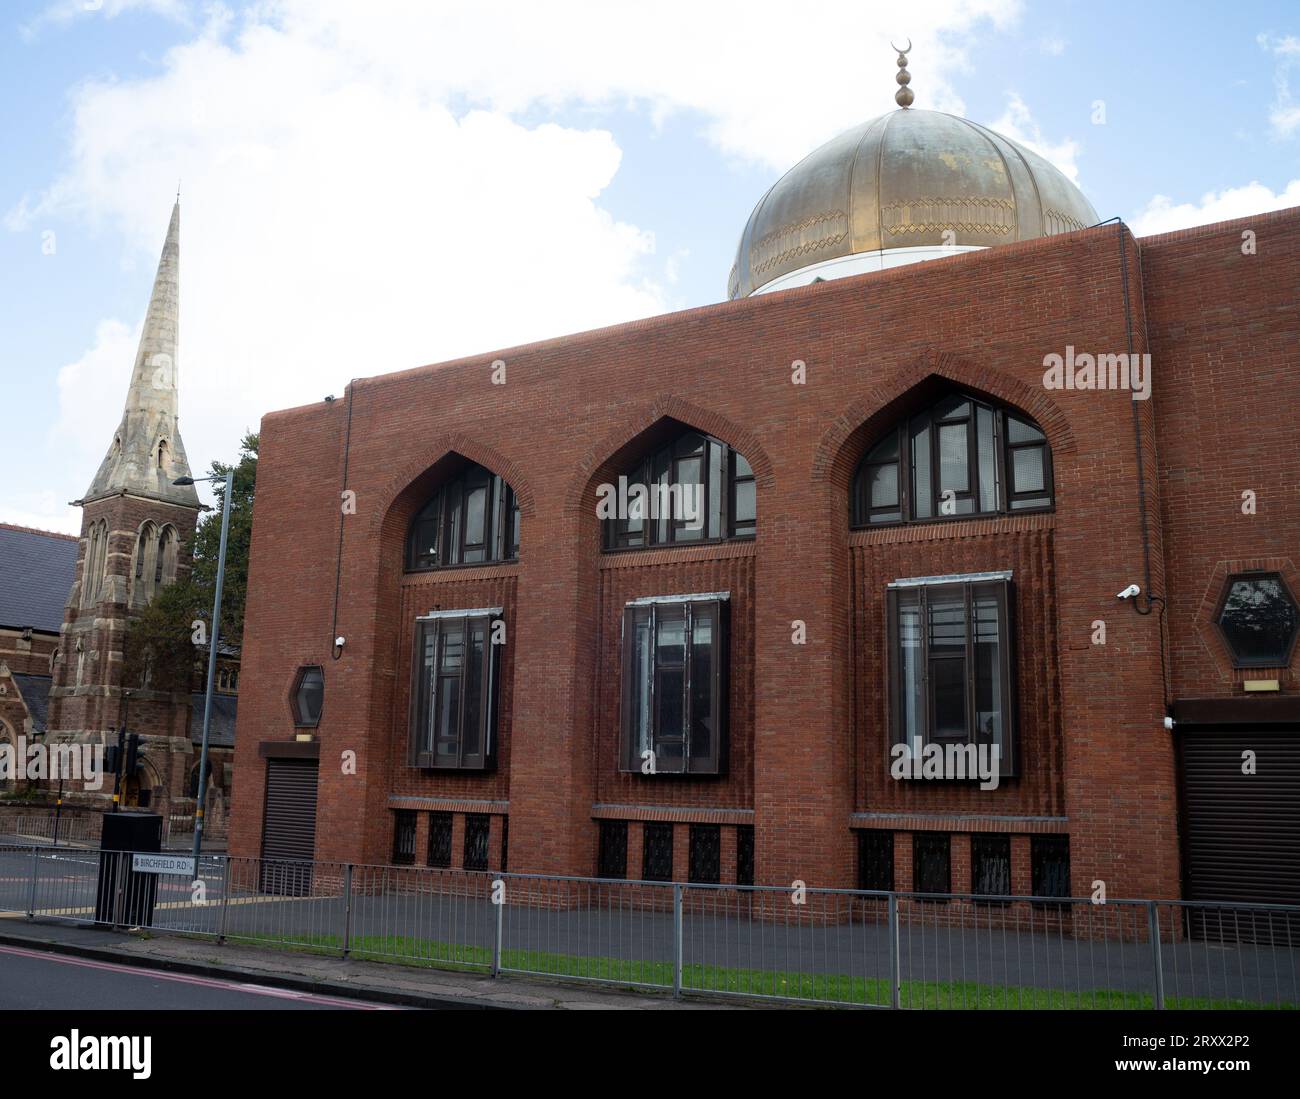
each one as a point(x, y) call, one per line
point(162, 453)
point(471, 520)
point(144, 568)
point(962, 456)
point(92, 571)
point(693, 489)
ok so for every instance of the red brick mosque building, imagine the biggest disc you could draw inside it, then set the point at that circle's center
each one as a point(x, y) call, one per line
point(660, 601)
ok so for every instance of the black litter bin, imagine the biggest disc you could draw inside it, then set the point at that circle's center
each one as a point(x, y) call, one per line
point(124, 895)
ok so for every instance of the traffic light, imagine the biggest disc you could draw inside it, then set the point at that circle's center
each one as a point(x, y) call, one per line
point(132, 754)
point(111, 759)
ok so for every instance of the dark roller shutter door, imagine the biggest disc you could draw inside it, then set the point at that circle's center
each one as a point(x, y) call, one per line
point(289, 826)
point(1241, 832)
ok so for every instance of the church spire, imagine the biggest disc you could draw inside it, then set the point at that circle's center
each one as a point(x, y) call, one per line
point(146, 454)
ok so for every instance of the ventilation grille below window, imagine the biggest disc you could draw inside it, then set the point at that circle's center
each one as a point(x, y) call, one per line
point(931, 863)
point(657, 860)
point(440, 839)
point(876, 859)
point(611, 861)
point(477, 828)
point(1049, 858)
point(745, 854)
point(990, 866)
point(705, 853)
point(404, 838)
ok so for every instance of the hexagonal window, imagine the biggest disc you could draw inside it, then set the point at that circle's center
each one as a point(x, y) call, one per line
point(1258, 620)
point(308, 696)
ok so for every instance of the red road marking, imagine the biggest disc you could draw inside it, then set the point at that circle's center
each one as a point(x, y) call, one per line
point(205, 982)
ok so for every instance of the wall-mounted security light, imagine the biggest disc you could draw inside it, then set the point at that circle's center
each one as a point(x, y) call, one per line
point(1129, 592)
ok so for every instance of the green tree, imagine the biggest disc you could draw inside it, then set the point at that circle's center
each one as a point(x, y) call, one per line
point(207, 542)
point(159, 648)
point(159, 651)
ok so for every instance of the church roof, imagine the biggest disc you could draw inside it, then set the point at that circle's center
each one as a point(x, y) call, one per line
point(36, 573)
point(146, 454)
point(35, 690)
point(224, 710)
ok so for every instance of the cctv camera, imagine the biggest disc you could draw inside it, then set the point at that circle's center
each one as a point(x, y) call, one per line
point(338, 642)
point(1129, 592)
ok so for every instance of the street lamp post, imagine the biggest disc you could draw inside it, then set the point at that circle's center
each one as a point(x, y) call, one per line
point(213, 638)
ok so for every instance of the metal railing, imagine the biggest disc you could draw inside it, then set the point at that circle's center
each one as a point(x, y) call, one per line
point(65, 828)
point(818, 946)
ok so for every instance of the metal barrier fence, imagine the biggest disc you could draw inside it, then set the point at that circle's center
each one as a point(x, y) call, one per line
point(822, 946)
point(76, 829)
point(67, 828)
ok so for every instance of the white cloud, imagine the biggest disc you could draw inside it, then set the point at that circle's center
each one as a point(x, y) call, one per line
point(1017, 122)
point(63, 12)
point(361, 193)
point(1284, 115)
point(1163, 215)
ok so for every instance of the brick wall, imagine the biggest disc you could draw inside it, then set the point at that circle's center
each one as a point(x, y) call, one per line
point(807, 723)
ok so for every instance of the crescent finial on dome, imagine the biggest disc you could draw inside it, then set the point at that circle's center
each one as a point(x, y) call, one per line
point(903, 97)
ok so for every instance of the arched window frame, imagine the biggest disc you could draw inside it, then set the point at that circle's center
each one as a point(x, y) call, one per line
point(726, 480)
point(144, 565)
point(92, 572)
point(995, 483)
point(441, 534)
point(165, 560)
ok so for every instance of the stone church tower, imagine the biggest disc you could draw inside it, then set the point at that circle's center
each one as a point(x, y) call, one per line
point(135, 529)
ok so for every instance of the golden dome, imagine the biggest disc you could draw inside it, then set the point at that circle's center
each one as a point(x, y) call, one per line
point(908, 179)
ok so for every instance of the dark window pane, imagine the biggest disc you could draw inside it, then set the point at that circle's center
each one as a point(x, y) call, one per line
point(1049, 858)
point(948, 680)
point(705, 853)
point(922, 494)
point(657, 851)
point(990, 706)
point(990, 858)
point(440, 839)
point(641, 675)
point(1259, 620)
point(404, 838)
point(309, 697)
point(947, 622)
point(876, 859)
point(988, 460)
point(717, 488)
point(611, 861)
point(884, 451)
point(954, 407)
point(745, 854)
point(689, 444)
point(477, 829)
point(703, 633)
point(472, 729)
point(911, 689)
point(931, 868)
